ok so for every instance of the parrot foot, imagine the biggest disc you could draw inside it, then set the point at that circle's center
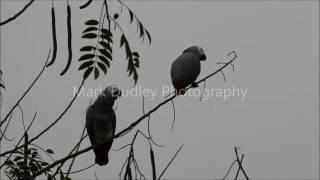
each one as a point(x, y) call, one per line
point(194, 85)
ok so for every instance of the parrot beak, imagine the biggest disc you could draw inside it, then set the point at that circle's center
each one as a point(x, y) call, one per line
point(203, 57)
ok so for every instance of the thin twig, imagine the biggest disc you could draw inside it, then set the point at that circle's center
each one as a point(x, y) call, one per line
point(148, 125)
point(15, 148)
point(132, 125)
point(230, 167)
point(72, 150)
point(5, 129)
point(239, 168)
point(44, 151)
point(224, 77)
point(80, 170)
point(172, 159)
point(174, 115)
point(26, 92)
point(77, 148)
point(107, 13)
point(204, 87)
point(17, 14)
point(240, 163)
point(52, 124)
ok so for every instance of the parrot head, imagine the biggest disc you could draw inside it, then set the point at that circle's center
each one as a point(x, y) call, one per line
point(112, 92)
point(108, 96)
point(198, 51)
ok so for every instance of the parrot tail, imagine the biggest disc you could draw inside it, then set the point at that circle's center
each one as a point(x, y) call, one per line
point(101, 155)
point(102, 160)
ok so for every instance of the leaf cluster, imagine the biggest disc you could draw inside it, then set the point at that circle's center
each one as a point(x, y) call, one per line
point(96, 58)
point(24, 166)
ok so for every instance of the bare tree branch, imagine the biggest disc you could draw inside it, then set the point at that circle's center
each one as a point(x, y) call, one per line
point(77, 148)
point(175, 155)
point(230, 167)
point(240, 163)
point(132, 125)
point(17, 14)
point(238, 168)
point(15, 148)
point(26, 92)
point(52, 124)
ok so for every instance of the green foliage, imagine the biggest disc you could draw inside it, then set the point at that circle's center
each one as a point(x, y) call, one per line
point(24, 165)
point(132, 57)
point(98, 57)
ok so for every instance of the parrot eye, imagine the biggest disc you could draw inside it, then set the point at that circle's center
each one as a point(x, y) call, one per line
point(116, 93)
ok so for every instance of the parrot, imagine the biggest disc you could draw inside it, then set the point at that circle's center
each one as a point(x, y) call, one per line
point(186, 68)
point(101, 123)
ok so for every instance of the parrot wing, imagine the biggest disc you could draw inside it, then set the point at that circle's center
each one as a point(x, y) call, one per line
point(185, 70)
point(101, 124)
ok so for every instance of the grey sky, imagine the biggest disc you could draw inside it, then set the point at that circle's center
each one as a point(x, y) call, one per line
point(276, 125)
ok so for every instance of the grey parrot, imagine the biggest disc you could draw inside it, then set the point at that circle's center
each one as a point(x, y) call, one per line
point(101, 123)
point(186, 68)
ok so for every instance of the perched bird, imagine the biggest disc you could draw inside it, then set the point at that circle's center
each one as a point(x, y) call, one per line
point(186, 68)
point(101, 123)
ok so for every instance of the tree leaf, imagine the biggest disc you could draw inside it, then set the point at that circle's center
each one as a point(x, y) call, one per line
point(122, 40)
point(90, 29)
point(131, 16)
point(89, 36)
point(87, 48)
point(86, 57)
point(92, 22)
point(104, 60)
point(148, 35)
point(86, 4)
point(106, 32)
point(34, 154)
point(17, 158)
point(136, 54)
point(87, 72)
point(128, 52)
point(96, 73)
point(135, 77)
point(136, 60)
point(86, 65)
point(8, 162)
point(21, 163)
point(106, 46)
point(130, 71)
point(105, 53)
point(141, 29)
point(107, 38)
point(50, 151)
point(102, 67)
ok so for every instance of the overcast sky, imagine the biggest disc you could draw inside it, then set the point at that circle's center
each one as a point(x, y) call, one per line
point(276, 123)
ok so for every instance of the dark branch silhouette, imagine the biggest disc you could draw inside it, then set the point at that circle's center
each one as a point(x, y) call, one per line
point(131, 56)
point(26, 92)
point(52, 124)
point(240, 163)
point(172, 159)
point(17, 14)
point(131, 126)
point(135, 123)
